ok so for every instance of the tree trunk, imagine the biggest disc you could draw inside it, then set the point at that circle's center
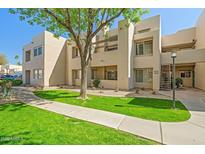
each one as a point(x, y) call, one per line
point(83, 90)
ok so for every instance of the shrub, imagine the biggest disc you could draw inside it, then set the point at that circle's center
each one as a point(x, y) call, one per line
point(6, 87)
point(1, 82)
point(179, 82)
point(96, 83)
point(14, 82)
point(17, 82)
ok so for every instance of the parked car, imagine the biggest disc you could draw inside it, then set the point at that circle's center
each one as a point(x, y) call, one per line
point(11, 77)
point(18, 76)
point(1, 76)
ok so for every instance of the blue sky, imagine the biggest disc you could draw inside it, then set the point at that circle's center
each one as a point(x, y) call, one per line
point(14, 33)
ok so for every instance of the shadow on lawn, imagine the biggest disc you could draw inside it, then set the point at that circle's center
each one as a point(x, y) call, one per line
point(151, 103)
point(12, 106)
point(21, 138)
point(54, 95)
point(135, 102)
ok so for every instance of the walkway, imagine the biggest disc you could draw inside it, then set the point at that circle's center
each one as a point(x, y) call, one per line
point(189, 132)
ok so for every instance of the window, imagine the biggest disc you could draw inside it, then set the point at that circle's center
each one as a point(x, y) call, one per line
point(35, 52)
point(110, 72)
point(112, 75)
point(38, 51)
point(139, 49)
point(93, 73)
point(75, 52)
point(143, 75)
point(144, 47)
point(37, 74)
point(148, 47)
point(40, 74)
point(113, 38)
point(185, 74)
point(28, 56)
point(76, 74)
point(139, 75)
point(111, 48)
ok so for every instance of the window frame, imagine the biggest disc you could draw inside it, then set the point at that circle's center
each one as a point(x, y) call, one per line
point(142, 44)
point(146, 73)
point(27, 54)
point(77, 74)
point(75, 52)
point(36, 51)
point(37, 75)
point(187, 74)
point(109, 75)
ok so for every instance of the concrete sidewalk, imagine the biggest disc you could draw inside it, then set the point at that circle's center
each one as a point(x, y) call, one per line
point(189, 132)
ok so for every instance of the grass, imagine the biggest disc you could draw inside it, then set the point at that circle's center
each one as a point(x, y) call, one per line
point(146, 108)
point(24, 124)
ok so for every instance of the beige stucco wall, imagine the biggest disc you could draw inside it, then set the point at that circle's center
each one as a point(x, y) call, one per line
point(54, 60)
point(184, 56)
point(180, 37)
point(200, 75)
point(58, 63)
point(35, 62)
point(200, 31)
point(124, 58)
point(187, 82)
point(116, 57)
point(152, 23)
point(109, 84)
point(123, 70)
point(150, 61)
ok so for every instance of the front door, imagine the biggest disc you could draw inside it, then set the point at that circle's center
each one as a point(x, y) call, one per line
point(27, 76)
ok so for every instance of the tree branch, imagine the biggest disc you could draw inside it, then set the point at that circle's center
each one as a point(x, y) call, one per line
point(106, 22)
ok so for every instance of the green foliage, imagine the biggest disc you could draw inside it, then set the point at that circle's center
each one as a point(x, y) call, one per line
point(179, 82)
point(1, 82)
point(17, 59)
point(3, 59)
point(145, 108)
point(6, 87)
point(96, 83)
point(17, 82)
point(80, 20)
point(26, 125)
point(13, 82)
point(43, 18)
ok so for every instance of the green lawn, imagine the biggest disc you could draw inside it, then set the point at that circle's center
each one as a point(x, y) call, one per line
point(23, 124)
point(146, 108)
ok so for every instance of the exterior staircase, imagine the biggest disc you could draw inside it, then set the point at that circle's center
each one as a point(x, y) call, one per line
point(165, 80)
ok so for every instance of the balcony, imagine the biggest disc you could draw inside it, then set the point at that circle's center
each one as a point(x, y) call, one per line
point(184, 56)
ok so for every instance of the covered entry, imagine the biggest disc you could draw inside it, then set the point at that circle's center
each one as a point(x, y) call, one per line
point(183, 71)
point(186, 73)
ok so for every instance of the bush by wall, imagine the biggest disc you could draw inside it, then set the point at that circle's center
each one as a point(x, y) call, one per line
point(17, 82)
point(96, 83)
point(179, 82)
point(14, 82)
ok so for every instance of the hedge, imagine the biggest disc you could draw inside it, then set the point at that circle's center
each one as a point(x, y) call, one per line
point(14, 82)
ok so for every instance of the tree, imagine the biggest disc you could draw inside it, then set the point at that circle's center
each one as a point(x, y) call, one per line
point(80, 25)
point(3, 59)
point(17, 59)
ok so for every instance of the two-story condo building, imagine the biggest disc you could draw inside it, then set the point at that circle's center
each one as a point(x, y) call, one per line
point(132, 56)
